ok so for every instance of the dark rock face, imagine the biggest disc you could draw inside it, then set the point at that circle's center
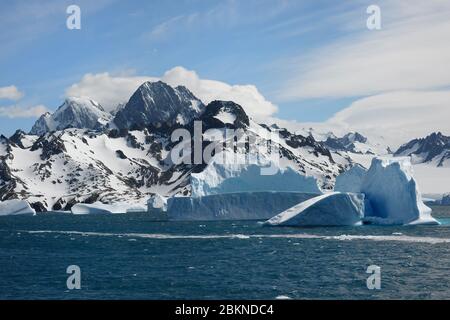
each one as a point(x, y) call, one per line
point(156, 104)
point(16, 139)
point(121, 155)
point(436, 146)
point(298, 141)
point(346, 143)
point(446, 200)
point(50, 145)
point(211, 116)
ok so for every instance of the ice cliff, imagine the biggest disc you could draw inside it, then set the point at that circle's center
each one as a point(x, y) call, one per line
point(226, 178)
point(234, 206)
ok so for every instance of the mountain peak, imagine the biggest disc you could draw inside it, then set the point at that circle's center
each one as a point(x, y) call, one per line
point(75, 112)
point(434, 148)
point(156, 104)
point(224, 113)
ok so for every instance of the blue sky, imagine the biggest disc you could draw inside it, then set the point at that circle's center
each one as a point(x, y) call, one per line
point(282, 47)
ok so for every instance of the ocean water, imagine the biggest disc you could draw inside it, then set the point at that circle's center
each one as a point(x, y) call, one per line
point(132, 257)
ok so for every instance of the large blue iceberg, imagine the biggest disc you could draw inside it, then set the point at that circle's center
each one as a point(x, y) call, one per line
point(393, 194)
point(387, 194)
point(234, 206)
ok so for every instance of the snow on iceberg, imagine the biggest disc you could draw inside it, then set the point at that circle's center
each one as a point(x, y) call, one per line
point(226, 178)
point(393, 194)
point(101, 208)
point(15, 207)
point(351, 180)
point(331, 209)
point(234, 206)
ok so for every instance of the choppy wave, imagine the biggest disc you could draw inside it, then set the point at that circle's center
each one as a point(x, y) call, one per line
point(343, 237)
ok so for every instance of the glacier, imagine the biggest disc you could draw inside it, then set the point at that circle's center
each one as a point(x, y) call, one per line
point(234, 206)
point(15, 207)
point(330, 209)
point(351, 180)
point(393, 194)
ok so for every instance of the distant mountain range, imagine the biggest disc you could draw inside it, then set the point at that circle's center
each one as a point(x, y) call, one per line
point(433, 149)
point(81, 153)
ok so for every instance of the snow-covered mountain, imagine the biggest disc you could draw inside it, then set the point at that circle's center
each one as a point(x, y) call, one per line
point(156, 104)
point(433, 150)
point(73, 113)
point(81, 154)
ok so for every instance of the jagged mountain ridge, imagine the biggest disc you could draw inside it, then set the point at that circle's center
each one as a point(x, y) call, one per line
point(82, 113)
point(130, 162)
point(157, 104)
point(433, 149)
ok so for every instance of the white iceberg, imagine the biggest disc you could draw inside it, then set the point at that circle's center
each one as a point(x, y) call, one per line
point(393, 194)
point(15, 207)
point(226, 178)
point(101, 208)
point(157, 203)
point(234, 206)
point(351, 180)
point(331, 209)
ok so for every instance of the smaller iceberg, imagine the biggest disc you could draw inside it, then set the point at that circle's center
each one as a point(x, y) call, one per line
point(101, 208)
point(15, 207)
point(331, 209)
point(393, 194)
point(351, 180)
point(157, 203)
point(445, 200)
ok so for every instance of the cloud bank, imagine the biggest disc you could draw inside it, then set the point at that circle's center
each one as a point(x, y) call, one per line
point(398, 76)
point(111, 90)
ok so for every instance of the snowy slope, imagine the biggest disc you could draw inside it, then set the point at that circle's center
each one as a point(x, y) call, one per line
point(131, 162)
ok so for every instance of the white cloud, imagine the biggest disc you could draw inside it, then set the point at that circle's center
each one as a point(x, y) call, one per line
point(247, 96)
point(106, 89)
point(409, 53)
point(10, 93)
point(110, 90)
point(15, 111)
point(397, 116)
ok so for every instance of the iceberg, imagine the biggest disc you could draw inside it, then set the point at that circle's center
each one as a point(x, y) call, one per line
point(226, 178)
point(15, 207)
point(157, 203)
point(445, 200)
point(234, 206)
point(101, 208)
point(351, 180)
point(393, 194)
point(331, 209)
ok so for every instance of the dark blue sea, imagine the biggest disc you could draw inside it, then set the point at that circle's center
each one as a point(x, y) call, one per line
point(131, 257)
